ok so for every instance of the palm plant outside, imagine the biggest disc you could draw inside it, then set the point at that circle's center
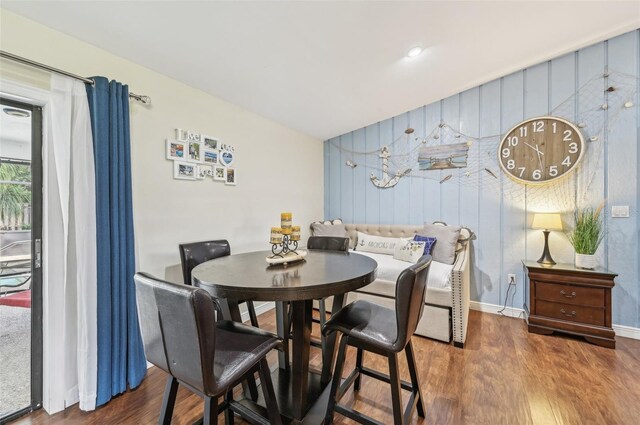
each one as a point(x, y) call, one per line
point(14, 194)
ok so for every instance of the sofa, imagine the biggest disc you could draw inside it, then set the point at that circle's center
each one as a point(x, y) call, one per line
point(446, 309)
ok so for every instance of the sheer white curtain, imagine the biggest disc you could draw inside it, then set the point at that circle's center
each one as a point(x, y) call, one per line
point(69, 239)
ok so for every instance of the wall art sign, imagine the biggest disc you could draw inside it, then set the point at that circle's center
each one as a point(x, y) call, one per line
point(198, 156)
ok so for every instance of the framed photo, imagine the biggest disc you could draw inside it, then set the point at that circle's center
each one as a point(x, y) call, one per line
point(205, 171)
point(176, 150)
point(211, 143)
point(226, 157)
point(231, 176)
point(220, 173)
point(210, 157)
point(195, 153)
point(184, 171)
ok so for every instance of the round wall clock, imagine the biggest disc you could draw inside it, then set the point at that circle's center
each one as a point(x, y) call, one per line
point(540, 150)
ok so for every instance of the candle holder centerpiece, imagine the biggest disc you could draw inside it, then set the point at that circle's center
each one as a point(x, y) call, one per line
point(284, 242)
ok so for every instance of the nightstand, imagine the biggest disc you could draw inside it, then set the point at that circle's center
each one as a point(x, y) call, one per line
point(563, 298)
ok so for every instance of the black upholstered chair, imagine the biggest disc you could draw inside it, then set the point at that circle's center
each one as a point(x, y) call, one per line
point(369, 327)
point(181, 337)
point(195, 253)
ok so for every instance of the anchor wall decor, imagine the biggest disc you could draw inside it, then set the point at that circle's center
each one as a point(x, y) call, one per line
point(387, 181)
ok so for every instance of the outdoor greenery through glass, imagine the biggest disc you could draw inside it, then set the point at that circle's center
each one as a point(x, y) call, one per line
point(587, 232)
point(15, 196)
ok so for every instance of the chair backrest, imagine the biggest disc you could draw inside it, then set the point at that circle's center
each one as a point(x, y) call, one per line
point(410, 291)
point(192, 254)
point(329, 243)
point(177, 323)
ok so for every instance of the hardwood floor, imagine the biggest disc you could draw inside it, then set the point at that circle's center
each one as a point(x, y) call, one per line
point(504, 375)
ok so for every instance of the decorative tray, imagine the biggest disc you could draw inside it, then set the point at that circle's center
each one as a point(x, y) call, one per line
point(290, 257)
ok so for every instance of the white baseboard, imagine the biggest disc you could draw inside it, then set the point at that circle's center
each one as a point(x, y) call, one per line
point(260, 308)
point(621, 330)
point(494, 309)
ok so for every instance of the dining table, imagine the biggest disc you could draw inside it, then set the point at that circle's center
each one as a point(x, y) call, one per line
point(247, 276)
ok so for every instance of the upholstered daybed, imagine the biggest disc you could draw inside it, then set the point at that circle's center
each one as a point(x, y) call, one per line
point(446, 309)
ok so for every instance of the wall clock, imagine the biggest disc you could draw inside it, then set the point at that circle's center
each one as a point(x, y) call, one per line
point(540, 150)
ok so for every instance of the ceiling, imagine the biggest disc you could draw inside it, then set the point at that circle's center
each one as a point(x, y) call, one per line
point(326, 68)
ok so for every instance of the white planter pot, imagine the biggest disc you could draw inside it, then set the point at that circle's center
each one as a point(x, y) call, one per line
point(585, 261)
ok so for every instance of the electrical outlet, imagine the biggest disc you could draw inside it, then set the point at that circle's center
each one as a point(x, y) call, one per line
point(620, 211)
point(511, 278)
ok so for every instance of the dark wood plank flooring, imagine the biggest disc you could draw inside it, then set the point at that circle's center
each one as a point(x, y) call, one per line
point(504, 375)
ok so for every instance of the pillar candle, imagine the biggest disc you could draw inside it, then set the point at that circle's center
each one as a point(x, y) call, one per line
point(295, 233)
point(285, 223)
point(276, 235)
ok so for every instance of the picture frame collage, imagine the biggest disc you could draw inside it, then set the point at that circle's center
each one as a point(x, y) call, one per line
point(197, 156)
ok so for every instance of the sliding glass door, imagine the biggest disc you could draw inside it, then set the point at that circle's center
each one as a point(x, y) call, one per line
point(20, 259)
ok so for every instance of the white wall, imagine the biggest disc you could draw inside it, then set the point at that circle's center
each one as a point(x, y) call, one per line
point(277, 168)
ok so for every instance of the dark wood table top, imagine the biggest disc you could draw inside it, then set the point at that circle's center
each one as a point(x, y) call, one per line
point(248, 276)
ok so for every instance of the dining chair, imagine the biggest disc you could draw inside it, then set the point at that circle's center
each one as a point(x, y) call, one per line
point(195, 253)
point(370, 327)
point(182, 337)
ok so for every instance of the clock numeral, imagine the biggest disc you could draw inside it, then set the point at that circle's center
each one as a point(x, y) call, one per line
point(537, 174)
point(553, 170)
point(522, 169)
point(573, 147)
point(506, 153)
point(538, 126)
point(523, 131)
point(567, 136)
point(511, 164)
point(513, 140)
point(554, 126)
point(567, 162)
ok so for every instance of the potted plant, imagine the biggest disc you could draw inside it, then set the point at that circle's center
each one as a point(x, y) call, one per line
point(586, 236)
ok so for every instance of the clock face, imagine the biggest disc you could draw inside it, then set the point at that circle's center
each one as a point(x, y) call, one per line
point(540, 150)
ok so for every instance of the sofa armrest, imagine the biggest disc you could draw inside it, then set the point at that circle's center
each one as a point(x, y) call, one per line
point(460, 291)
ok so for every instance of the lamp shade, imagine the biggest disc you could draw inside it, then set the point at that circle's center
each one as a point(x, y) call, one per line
point(549, 221)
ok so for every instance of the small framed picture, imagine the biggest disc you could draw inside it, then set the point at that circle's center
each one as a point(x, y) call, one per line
point(176, 150)
point(210, 157)
point(226, 158)
point(205, 171)
point(195, 152)
point(184, 171)
point(211, 143)
point(231, 176)
point(220, 173)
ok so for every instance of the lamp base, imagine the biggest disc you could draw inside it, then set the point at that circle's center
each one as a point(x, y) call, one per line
point(546, 255)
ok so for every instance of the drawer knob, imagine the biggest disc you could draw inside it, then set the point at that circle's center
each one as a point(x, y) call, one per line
point(572, 314)
point(564, 294)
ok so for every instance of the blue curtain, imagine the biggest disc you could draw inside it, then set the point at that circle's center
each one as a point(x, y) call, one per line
point(121, 359)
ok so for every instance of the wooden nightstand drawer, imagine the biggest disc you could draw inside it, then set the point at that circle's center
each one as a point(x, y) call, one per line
point(569, 294)
point(573, 313)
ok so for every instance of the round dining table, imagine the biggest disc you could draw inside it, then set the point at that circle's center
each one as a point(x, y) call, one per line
point(248, 277)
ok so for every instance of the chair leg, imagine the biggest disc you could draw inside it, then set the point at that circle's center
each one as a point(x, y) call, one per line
point(323, 311)
point(269, 394)
point(356, 384)
point(415, 379)
point(396, 398)
point(168, 401)
point(335, 383)
point(253, 318)
point(210, 410)
point(228, 414)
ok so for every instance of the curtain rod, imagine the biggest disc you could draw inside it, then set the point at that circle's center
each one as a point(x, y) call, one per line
point(138, 97)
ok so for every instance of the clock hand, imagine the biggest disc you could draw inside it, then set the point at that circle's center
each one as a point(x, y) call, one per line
point(534, 148)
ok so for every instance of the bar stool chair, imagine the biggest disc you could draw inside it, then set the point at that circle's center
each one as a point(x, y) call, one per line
point(369, 327)
point(182, 337)
point(195, 253)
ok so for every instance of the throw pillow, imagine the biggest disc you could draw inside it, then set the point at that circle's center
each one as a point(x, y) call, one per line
point(429, 243)
point(320, 229)
point(410, 251)
point(376, 244)
point(444, 251)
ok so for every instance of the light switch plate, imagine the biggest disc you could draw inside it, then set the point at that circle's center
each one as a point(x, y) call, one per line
point(620, 211)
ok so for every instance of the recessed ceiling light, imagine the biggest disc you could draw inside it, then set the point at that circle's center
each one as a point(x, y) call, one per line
point(14, 112)
point(414, 52)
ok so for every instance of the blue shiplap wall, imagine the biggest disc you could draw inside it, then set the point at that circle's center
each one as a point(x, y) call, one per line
point(502, 223)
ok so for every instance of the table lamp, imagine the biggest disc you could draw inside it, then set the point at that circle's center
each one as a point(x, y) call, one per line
point(547, 222)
